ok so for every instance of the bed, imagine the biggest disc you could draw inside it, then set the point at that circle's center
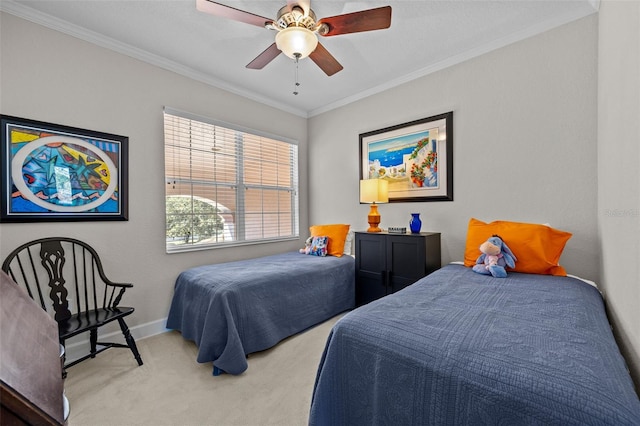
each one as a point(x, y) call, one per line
point(233, 309)
point(458, 347)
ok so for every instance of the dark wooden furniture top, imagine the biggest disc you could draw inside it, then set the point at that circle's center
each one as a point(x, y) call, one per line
point(31, 384)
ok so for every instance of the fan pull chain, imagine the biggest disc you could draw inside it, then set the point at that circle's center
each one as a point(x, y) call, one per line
point(295, 88)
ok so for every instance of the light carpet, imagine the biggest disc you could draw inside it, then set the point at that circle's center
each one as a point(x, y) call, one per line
point(171, 388)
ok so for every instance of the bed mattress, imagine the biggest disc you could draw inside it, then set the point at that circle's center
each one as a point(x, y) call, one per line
point(233, 309)
point(463, 348)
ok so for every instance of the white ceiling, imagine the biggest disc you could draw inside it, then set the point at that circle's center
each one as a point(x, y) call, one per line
point(424, 36)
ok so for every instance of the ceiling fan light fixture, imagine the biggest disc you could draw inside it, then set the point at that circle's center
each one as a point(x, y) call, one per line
point(296, 42)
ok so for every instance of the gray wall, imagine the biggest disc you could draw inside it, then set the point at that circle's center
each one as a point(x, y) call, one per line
point(52, 77)
point(524, 144)
point(544, 132)
point(618, 172)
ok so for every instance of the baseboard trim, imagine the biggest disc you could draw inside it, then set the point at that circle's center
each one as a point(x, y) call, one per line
point(77, 348)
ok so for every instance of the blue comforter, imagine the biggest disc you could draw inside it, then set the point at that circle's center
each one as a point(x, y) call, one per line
point(460, 348)
point(233, 309)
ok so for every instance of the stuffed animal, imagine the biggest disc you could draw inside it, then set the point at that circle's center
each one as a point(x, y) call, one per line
point(307, 246)
point(495, 256)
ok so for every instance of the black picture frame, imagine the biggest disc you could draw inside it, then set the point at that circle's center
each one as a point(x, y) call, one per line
point(415, 157)
point(57, 173)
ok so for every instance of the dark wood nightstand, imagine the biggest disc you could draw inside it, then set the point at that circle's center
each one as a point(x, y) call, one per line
point(386, 263)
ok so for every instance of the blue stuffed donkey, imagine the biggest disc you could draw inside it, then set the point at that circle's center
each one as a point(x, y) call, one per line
point(495, 256)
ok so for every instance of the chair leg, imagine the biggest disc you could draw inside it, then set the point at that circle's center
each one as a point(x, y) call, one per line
point(130, 342)
point(93, 339)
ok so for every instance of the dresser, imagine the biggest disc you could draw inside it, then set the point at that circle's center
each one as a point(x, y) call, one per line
point(386, 263)
point(31, 384)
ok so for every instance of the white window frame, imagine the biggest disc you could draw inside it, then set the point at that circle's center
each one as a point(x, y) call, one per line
point(240, 188)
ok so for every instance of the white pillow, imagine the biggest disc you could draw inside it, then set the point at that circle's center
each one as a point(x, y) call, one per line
point(348, 243)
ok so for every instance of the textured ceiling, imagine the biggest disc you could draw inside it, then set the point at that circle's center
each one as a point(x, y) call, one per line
point(424, 36)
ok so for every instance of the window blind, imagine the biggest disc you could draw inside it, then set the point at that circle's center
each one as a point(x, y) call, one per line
point(226, 185)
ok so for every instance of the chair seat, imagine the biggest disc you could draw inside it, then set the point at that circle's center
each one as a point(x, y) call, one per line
point(91, 319)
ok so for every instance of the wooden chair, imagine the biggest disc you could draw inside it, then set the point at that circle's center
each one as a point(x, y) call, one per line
point(80, 296)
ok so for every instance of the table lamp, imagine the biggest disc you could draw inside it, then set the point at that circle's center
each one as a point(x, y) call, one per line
point(374, 191)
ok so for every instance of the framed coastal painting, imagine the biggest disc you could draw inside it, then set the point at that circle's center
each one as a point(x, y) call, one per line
point(52, 172)
point(416, 158)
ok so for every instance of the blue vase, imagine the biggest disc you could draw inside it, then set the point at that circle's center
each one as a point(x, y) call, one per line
point(415, 223)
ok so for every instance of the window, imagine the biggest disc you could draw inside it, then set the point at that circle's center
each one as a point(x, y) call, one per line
point(226, 185)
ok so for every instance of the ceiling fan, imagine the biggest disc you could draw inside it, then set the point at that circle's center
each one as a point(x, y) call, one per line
point(297, 30)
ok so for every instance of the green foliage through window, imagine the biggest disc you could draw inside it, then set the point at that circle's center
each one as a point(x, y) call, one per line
point(192, 220)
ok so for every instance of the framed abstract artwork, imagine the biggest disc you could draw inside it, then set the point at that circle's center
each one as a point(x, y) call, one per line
point(416, 158)
point(52, 172)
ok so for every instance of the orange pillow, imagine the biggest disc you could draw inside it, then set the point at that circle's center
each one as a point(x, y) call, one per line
point(337, 235)
point(537, 247)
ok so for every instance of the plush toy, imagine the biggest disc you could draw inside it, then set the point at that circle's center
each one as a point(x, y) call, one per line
point(307, 246)
point(495, 256)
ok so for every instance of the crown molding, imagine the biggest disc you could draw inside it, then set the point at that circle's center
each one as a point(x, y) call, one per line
point(463, 57)
point(37, 17)
point(25, 12)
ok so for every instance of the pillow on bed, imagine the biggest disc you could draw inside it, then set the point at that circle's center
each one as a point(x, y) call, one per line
point(537, 247)
point(318, 246)
point(348, 243)
point(337, 234)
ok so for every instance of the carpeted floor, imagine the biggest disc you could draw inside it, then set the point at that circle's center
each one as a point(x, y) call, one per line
point(171, 388)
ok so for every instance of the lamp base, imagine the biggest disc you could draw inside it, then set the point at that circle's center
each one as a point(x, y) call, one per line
point(374, 219)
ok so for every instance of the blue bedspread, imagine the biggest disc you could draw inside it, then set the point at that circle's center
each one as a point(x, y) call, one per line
point(233, 309)
point(460, 348)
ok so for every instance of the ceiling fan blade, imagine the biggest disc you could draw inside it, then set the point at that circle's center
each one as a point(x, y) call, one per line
point(269, 54)
point(365, 20)
point(229, 12)
point(325, 60)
